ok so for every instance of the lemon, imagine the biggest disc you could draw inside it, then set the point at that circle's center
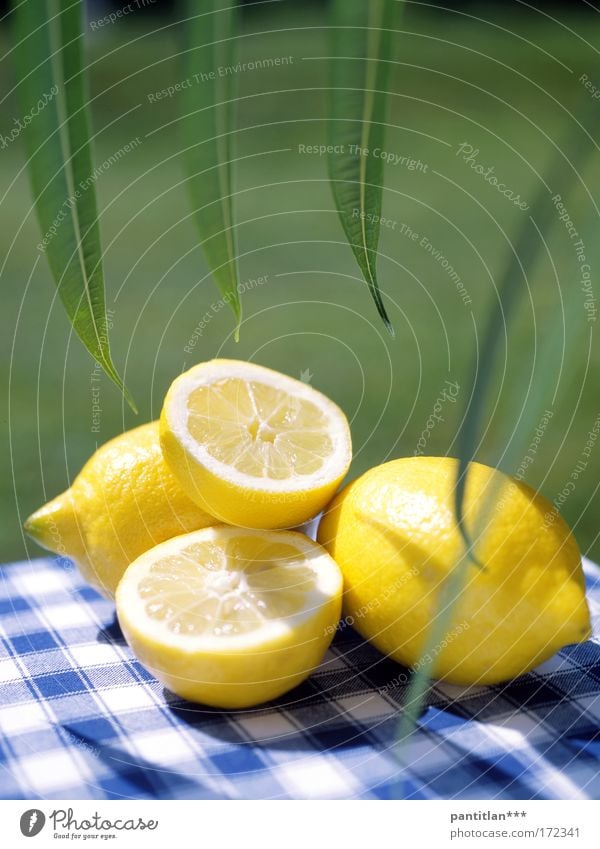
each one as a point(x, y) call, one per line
point(231, 617)
point(252, 446)
point(394, 535)
point(124, 501)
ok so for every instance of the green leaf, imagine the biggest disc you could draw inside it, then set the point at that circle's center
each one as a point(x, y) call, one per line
point(527, 251)
point(363, 49)
point(53, 101)
point(528, 248)
point(208, 127)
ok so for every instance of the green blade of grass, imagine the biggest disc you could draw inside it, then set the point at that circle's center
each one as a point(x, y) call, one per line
point(207, 128)
point(363, 47)
point(52, 93)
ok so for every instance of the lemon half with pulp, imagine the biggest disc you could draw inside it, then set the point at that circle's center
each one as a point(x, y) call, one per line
point(230, 617)
point(254, 447)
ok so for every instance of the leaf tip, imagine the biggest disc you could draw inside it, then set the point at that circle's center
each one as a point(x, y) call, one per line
point(237, 311)
point(384, 316)
point(129, 398)
point(469, 545)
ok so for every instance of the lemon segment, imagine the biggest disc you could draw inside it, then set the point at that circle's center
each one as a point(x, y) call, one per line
point(252, 446)
point(231, 617)
point(394, 535)
point(124, 501)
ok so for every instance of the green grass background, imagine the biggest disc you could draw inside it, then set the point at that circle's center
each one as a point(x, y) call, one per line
point(501, 86)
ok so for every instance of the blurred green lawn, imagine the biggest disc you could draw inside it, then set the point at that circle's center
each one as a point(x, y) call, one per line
point(458, 81)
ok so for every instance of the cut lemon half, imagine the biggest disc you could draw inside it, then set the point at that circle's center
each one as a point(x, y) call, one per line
point(254, 447)
point(229, 617)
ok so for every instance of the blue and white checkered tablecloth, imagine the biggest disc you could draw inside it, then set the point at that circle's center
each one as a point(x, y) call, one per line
point(81, 719)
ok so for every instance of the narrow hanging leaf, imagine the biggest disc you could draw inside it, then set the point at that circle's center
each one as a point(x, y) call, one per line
point(53, 96)
point(207, 127)
point(363, 47)
point(529, 247)
point(527, 250)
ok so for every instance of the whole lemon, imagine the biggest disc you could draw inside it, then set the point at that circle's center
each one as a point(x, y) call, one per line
point(394, 535)
point(124, 501)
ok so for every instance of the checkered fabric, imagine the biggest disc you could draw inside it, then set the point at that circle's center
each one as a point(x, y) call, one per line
point(81, 719)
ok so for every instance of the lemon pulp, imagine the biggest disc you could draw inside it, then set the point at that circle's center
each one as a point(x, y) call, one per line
point(225, 590)
point(258, 429)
